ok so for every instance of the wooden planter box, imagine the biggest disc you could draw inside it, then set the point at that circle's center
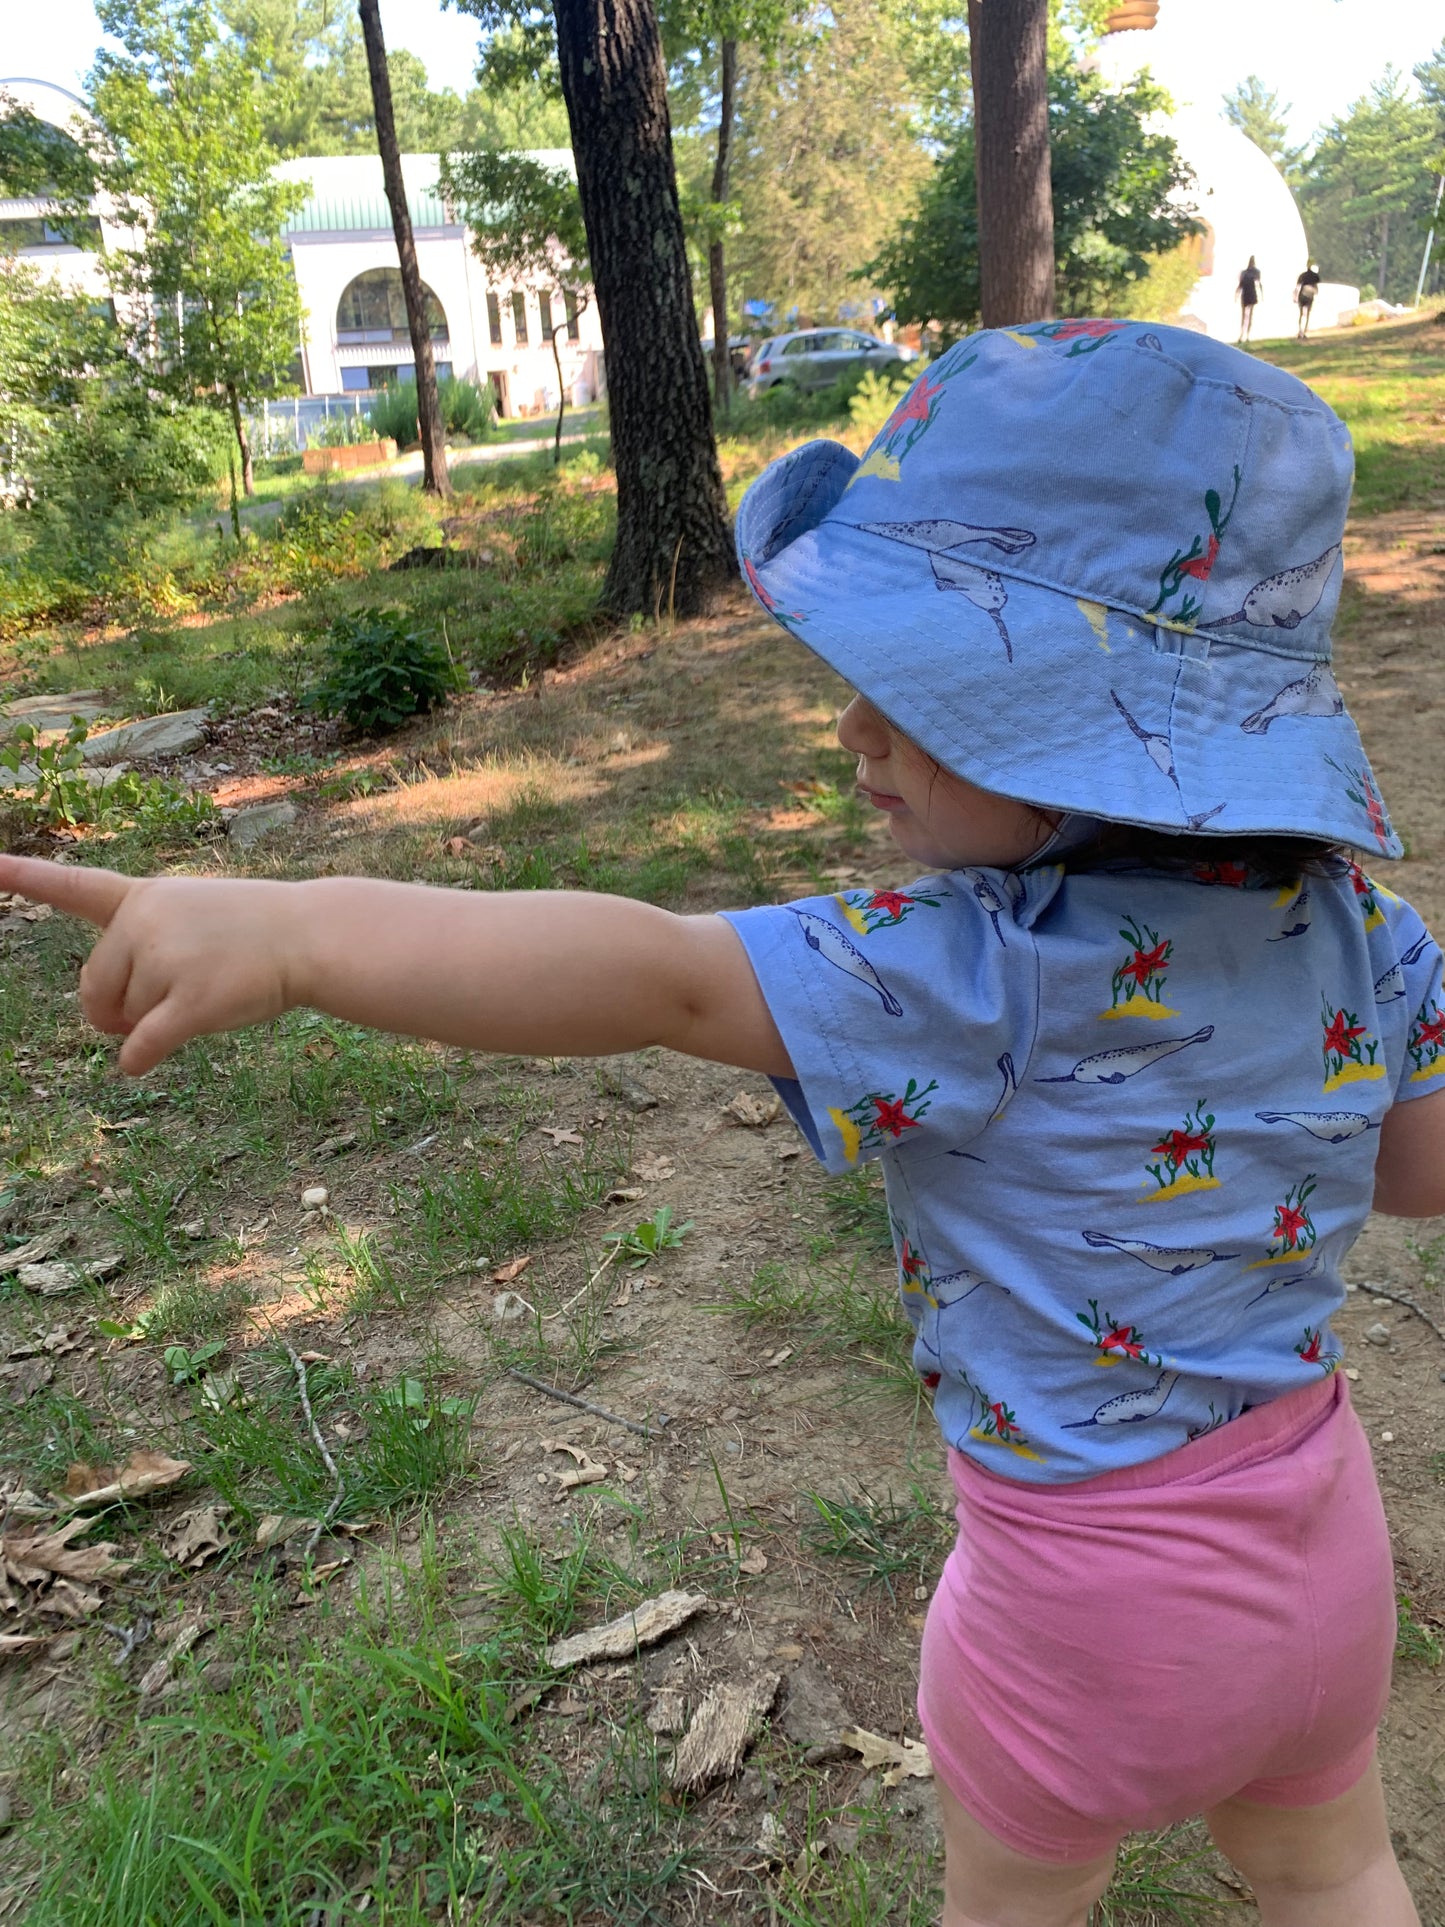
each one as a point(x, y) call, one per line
point(324, 461)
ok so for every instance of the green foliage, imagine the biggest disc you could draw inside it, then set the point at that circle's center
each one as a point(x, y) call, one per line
point(876, 397)
point(649, 1239)
point(52, 343)
point(466, 410)
point(39, 160)
point(380, 671)
point(58, 791)
point(1117, 189)
point(207, 289)
point(1369, 188)
point(1257, 110)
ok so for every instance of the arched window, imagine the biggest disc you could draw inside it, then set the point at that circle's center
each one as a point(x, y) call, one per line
point(373, 308)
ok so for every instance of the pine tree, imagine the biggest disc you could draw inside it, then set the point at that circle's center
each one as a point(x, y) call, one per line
point(1257, 110)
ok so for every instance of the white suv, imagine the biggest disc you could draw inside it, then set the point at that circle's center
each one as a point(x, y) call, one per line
point(817, 357)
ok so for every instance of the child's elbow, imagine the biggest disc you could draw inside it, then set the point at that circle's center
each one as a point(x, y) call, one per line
point(1410, 1169)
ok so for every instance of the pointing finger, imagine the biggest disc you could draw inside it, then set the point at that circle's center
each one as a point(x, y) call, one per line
point(95, 895)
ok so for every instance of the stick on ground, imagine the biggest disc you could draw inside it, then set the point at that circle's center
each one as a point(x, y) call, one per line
point(585, 1405)
point(326, 1459)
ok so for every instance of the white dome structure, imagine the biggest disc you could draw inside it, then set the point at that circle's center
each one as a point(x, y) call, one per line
point(1249, 211)
point(24, 228)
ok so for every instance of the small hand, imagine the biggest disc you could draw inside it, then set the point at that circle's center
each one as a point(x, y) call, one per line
point(178, 957)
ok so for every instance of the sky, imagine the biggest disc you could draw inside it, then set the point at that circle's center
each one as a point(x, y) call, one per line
point(1316, 54)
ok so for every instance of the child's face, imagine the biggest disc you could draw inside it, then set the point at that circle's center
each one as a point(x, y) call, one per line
point(936, 817)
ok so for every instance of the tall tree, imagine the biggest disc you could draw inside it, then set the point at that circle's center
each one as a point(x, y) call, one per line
point(205, 292)
point(1370, 187)
point(1008, 44)
point(1258, 111)
point(673, 548)
point(429, 414)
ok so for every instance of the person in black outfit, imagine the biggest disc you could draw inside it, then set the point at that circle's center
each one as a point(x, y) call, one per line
point(1304, 294)
point(1248, 287)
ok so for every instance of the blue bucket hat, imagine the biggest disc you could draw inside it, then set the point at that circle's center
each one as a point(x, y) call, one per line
point(1092, 565)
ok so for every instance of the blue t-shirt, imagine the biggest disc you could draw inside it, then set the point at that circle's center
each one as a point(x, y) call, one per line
point(1128, 1126)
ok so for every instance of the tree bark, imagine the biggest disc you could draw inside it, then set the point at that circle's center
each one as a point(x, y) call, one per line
point(428, 413)
point(1384, 251)
point(1008, 42)
point(674, 551)
point(243, 442)
point(717, 274)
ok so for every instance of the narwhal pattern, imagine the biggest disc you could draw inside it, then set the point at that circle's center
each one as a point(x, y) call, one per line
point(1127, 1131)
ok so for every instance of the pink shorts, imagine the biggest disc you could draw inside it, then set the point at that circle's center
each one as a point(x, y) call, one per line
point(1127, 1651)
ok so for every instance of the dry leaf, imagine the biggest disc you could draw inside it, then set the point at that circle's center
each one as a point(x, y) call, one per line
point(627, 1473)
point(754, 1562)
point(195, 1536)
point(27, 1376)
point(620, 1638)
point(504, 1274)
point(904, 1759)
point(143, 1472)
point(276, 1528)
point(757, 1113)
point(623, 1194)
point(583, 1475)
point(69, 1601)
point(31, 1558)
point(37, 1250)
point(655, 1170)
point(460, 846)
point(780, 1358)
point(559, 1136)
point(563, 1445)
point(23, 1642)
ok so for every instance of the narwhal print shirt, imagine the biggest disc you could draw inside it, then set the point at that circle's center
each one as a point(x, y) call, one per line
point(1127, 1123)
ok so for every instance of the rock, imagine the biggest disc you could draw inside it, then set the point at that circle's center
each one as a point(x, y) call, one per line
point(47, 713)
point(1387, 1438)
point(174, 735)
point(508, 1306)
point(813, 1713)
point(248, 826)
point(618, 1081)
point(1377, 1334)
point(315, 1197)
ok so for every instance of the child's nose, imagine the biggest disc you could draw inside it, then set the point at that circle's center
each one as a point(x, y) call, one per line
point(862, 730)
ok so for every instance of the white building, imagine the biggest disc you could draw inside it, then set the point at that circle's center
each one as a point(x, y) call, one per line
point(355, 336)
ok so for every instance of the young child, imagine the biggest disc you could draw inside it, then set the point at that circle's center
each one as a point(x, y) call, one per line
point(1136, 1054)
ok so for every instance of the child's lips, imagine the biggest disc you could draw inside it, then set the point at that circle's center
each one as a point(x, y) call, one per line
point(881, 800)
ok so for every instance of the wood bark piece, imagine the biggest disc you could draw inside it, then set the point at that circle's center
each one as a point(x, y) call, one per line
point(673, 551)
point(1008, 45)
point(723, 1728)
point(620, 1638)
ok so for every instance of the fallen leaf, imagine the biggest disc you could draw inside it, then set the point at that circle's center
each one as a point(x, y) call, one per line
point(756, 1113)
point(620, 1638)
point(23, 1642)
point(754, 1562)
point(504, 1274)
point(786, 1151)
point(460, 846)
point(143, 1472)
point(277, 1527)
point(180, 1643)
point(623, 1194)
point(904, 1759)
point(562, 1445)
point(26, 1377)
point(196, 1535)
point(627, 1473)
point(655, 1170)
point(582, 1475)
point(559, 1136)
point(68, 1601)
point(780, 1358)
point(33, 1558)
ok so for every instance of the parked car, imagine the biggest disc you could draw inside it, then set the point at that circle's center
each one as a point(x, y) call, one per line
point(817, 357)
point(738, 346)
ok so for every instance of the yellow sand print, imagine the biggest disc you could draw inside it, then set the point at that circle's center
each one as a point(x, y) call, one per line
point(1299, 1256)
point(1024, 341)
point(1375, 917)
point(1289, 893)
point(1429, 1070)
point(848, 1131)
point(1139, 1007)
point(1180, 1185)
point(1354, 1074)
point(879, 463)
point(1097, 617)
point(992, 1438)
point(855, 917)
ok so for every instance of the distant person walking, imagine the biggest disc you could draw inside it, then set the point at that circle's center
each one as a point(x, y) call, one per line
point(1304, 294)
point(1250, 283)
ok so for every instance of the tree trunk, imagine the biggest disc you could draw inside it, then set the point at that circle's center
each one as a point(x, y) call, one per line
point(561, 395)
point(717, 274)
point(1384, 252)
point(428, 412)
point(673, 548)
point(1008, 42)
point(243, 443)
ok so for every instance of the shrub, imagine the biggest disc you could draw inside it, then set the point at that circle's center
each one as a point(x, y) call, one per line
point(466, 410)
point(876, 397)
point(380, 671)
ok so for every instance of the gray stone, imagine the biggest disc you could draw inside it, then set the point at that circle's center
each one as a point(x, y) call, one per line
point(27, 776)
point(261, 819)
point(174, 735)
point(814, 1713)
point(47, 713)
point(1377, 1334)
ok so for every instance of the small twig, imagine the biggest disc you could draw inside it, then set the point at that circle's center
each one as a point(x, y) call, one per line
point(561, 1310)
point(315, 1430)
point(1378, 1291)
point(584, 1405)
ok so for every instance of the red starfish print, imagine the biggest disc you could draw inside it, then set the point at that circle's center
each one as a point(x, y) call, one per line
point(1178, 1145)
point(1142, 965)
point(1360, 881)
point(769, 602)
point(915, 406)
point(1234, 874)
point(1339, 1035)
point(911, 1263)
point(933, 1380)
point(1289, 1222)
point(893, 901)
point(892, 1118)
point(1121, 1339)
point(1067, 330)
point(1003, 1421)
point(1200, 565)
point(1311, 1352)
point(1432, 1033)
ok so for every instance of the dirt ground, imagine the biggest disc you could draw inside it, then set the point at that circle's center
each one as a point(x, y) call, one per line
point(731, 700)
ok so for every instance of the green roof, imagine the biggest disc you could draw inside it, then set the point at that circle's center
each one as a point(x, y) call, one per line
point(348, 193)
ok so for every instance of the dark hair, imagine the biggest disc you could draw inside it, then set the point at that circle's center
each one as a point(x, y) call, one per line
point(1272, 860)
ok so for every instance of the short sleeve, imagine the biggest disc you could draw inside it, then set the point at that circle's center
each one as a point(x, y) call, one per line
point(1415, 978)
point(908, 1014)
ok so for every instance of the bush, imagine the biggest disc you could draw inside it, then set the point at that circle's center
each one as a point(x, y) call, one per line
point(466, 410)
point(380, 671)
point(877, 395)
point(341, 431)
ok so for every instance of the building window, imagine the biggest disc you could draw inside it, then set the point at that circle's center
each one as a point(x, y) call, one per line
point(569, 302)
point(355, 381)
point(519, 318)
point(544, 313)
point(373, 308)
point(391, 373)
point(494, 320)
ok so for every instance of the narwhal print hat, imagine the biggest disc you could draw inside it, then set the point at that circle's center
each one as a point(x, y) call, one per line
point(1093, 565)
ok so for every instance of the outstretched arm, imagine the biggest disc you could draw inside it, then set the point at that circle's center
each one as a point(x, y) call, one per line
point(553, 972)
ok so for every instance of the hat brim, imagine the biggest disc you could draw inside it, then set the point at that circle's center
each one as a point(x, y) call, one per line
point(1053, 699)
